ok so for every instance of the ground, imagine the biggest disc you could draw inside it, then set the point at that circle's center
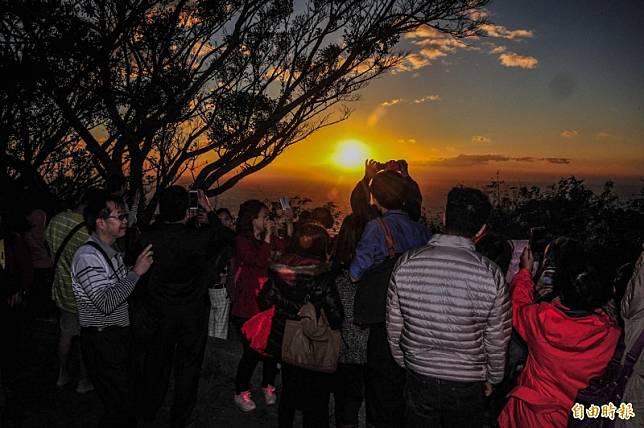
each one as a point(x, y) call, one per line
point(37, 402)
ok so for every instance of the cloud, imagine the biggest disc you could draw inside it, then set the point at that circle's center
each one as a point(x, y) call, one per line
point(478, 14)
point(605, 135)
point(434, 45)
point(411, 62)
point(465, 160)
point(446, 43)
point(479, 139)
point(427, 98)
point(407, 141)
point(498, 50)
point(375, 116)
point(499, 31)
point(390, 103)
point(610, 137)
point(560, 161)
point(570, 133)
point(432, 53)
point(471, 160)
point(422, 32)
point(515, 60)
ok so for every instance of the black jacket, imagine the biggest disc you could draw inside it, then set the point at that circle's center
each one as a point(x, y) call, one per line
point(182, 256)
point(289, 287)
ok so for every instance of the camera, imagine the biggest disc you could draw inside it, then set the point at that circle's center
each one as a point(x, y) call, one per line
point(391, 165)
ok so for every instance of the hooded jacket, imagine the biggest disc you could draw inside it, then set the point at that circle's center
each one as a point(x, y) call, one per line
point(565, 352)
point(633, 314)
point(292, 282)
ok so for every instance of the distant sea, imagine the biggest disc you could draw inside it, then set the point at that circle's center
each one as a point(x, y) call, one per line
point(434, 192)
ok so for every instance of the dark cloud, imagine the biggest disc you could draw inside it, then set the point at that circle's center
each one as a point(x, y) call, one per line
point(471, 160)
point(557, 160)
point(525, 159)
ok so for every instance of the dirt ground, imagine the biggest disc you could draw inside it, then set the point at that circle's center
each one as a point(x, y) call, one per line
point(37, 402)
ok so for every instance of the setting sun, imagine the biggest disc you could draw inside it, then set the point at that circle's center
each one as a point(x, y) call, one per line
point(351, 154)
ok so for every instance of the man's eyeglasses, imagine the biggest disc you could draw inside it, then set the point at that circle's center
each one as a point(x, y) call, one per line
point(119, 217)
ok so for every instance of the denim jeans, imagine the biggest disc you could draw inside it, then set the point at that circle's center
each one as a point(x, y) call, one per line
point(432, 402)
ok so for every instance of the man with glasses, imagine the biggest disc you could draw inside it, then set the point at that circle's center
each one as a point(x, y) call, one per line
point(101, 284)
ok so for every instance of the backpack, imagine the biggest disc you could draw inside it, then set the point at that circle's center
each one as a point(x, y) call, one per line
point(371, 291)
point(607, 388)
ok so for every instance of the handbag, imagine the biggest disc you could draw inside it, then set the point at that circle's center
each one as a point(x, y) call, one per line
point(310, 343)
point(609, 387)
point(371, 290)
point(219, 310)
point(257, 330)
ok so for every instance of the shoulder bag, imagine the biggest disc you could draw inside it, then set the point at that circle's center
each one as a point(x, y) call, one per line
point(310, 343)
point(371, 291)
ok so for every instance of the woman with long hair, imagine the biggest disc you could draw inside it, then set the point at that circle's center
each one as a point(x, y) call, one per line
point(349, 379)
point(299, 277)
point(254, 244)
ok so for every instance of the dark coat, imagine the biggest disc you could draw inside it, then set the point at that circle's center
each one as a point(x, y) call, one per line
point(291, 284)
point(181, 256)
point(251, 260)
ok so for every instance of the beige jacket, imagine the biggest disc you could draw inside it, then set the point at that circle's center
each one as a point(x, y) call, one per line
point(633, 314)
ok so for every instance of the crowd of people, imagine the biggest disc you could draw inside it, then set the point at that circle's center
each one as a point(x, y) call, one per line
point(434, 329)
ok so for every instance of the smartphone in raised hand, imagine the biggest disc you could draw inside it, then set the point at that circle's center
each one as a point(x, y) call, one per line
point(193, 202)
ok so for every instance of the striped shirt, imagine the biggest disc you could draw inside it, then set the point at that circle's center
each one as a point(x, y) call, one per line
point(101, 293)
point(58, 229)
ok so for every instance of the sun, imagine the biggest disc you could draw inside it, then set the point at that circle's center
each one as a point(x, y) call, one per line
point(350, 154)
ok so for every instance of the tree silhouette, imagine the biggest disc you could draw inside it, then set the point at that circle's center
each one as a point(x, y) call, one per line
point(155, 88)
point(612, 229)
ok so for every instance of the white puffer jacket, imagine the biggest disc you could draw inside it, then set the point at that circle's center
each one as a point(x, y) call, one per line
point(449, 312)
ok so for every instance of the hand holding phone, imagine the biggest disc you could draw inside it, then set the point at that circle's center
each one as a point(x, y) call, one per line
point(538, 240)
point(193, 202)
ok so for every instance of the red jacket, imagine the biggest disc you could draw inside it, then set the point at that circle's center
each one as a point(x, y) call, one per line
point(564, 354)
point(250, 269)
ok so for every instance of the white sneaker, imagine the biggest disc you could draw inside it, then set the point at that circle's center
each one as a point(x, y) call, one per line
point(63, 380)
point(244, 401)
point(269, 395)
point(84, 386)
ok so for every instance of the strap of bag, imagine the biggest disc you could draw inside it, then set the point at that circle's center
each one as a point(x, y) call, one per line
point(68, 238)
point(389, 239)
point(107, 259)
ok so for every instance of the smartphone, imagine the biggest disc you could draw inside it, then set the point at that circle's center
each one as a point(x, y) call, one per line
point(193, 202)
point(284, 203)
point(538, 241)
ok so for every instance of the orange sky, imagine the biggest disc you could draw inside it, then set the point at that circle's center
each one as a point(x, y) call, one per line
point(551, 91)
point(543, 95)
